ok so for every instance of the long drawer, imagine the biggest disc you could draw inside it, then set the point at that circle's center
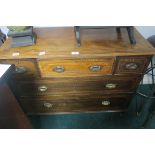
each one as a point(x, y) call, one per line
point(65, 86)
point(104, 103)
point(76, 67)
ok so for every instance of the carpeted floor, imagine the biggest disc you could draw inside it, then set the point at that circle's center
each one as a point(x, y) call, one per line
point(103, 120)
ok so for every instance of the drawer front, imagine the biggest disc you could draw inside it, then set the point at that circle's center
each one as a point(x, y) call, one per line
point(115, 103)
point(132, 64)
point(75, 68)
point(23, 68)
point(65, 86)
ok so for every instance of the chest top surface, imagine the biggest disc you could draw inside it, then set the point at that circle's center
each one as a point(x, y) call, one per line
point(61, 42)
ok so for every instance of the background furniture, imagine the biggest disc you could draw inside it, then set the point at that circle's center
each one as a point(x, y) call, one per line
point(2, 37)
point(149, 103)
point(55, 77)
point(21, 36)
point(130, 30)
point(11, 114)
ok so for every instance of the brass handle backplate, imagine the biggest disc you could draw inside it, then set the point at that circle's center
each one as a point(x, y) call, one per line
point(105, 103)
point(48, 105)
point(95, 68)
point(59, 69)
point(20, 69)
point(131, 66)
point(42, 88)
point(110, 85)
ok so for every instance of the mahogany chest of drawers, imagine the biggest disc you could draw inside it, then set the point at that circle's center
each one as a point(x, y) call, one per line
point(56, 76)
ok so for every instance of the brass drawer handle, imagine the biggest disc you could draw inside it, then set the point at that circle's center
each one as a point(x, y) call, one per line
point(95, 68)
point(110, 85)
point(48, 105)
point(42, 88)
point(59, 69)
point(131, 66)
point(105, 103)
point(20, 70)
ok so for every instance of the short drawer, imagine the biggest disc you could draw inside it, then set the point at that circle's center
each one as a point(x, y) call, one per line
point(23, 68)
point(106, 103)
point(76, 67)
point(66, 86)
point(131, 64)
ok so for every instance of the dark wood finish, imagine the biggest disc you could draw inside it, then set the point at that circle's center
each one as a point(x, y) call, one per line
point(140, 61)
point(11, 114)
point(66, 86)
point(117, 103)
point(105, 66)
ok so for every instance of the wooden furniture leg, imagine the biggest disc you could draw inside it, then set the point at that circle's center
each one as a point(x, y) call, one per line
point(77, 35)
point(130, 30)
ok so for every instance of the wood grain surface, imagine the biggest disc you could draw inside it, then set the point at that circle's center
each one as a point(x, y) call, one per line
point(72, 79)
point(60, 42)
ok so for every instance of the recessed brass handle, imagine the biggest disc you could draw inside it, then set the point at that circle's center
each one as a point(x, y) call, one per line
point(48, 105)
point(20, 70)
point(110, 85)
point(42, 88)
point(105, 103)
point(59, 69)
point(131, 66)
point(95, 68)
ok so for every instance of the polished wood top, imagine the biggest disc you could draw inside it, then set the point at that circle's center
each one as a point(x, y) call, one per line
point(60, 42)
